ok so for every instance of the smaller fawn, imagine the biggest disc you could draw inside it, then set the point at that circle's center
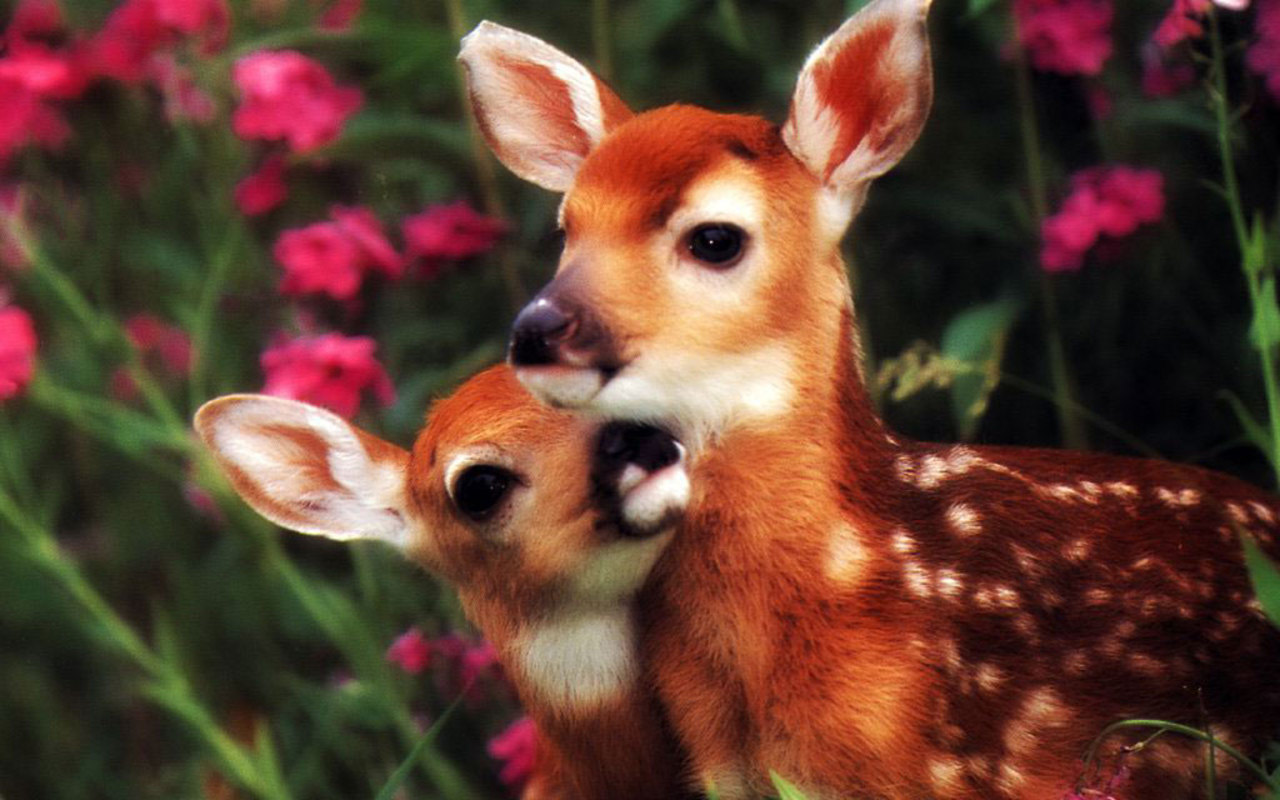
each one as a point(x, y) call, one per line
point(869, 616)
point(547, 525)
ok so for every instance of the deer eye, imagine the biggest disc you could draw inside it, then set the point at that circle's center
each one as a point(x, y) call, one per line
point(479, 490)
point(717, 243)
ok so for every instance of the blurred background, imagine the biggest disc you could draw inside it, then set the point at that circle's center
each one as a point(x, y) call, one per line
point(200, 197)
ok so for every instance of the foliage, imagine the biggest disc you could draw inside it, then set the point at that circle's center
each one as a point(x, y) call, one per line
point(166, 221)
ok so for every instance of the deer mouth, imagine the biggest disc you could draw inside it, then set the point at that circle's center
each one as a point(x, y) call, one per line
point(567, 383)
point(641, 478)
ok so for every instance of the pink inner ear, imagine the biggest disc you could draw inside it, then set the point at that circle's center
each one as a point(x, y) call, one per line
point(549, 97)
point(856, 84)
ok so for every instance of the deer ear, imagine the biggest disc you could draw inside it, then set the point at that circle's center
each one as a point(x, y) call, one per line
point(307, 469)
point(541, 111)
point(863, 96)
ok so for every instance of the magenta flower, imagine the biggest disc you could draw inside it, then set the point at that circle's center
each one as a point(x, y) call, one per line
point(27, 119)
point(1183, 20)
point(139, 29)
point(170, 345)
point(332, 370)
point(17, 351)
point(1104, 201)
point(517, 749)
point(1071, 37)
point(411, 651)
point(340, 14)
point(1263, 56)
point(449, 233)
point(1162, 77)
point(263, 190)
point(333, 257)
point(287, 96)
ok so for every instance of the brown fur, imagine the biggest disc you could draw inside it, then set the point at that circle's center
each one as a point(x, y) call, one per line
point(868, 616)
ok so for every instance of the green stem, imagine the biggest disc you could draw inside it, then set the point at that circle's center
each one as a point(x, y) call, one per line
point(1239, 223)
point(486, 175)
point(1185, 730)
point(601, 38)
point(1070, 426)
point(42, 548)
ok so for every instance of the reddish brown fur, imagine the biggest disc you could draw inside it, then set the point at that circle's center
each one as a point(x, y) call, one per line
point(619, 748)
point(508, 580)
point(873, 617)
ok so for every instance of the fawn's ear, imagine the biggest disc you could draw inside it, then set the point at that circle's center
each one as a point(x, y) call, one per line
point(541, 111)
point(863, 96)
point(307, 469)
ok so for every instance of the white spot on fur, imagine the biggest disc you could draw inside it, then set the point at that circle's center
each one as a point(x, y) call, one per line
point(945, 774)
point(963, 520)
point(1238, 514)
point(917, 579)
point(989, 677)
point(904, 469)
point(845, 554)
point(580, 659)
point(1263, 513)
point(949, 584)
point(1124, 491)
point(903, 544)
point(1077, 550)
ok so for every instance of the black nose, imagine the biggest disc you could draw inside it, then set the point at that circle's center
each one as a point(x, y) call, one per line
point(538, 329)
point(650, 448)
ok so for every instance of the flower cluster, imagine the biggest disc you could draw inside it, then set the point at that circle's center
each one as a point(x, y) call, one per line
point(288, 97)
point(330, 370)
point(333, 257)
point(1264, 54)
point(463, 662)
point(516, 747)
point(1072, 37)
point(1104, 202)
point(17, 350)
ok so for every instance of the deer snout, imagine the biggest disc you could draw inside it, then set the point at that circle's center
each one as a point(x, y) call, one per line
point(640, 471)
point(539, 330)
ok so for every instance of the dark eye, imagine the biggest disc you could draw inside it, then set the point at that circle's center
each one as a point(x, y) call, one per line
point(479, 489)
point(716, 243)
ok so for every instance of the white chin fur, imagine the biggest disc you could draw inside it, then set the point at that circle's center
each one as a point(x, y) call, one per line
point(561, 386)
point(652, 500)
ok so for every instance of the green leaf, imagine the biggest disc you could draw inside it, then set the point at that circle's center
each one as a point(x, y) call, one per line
point(1264, 332)
point(976, 338)
point(1265, 577)
point(402, 772)
point(1253, 431)
point(1255, 251)
point(786, 789)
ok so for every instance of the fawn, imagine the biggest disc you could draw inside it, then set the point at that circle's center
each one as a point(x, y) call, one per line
point(547, 525)
point(868, 616)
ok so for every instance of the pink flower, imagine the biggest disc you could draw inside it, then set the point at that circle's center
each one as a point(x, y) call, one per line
point(1104, 201)
point(33, 19)
point(517, 749)
point(138, 29)
point(1182, 20)
point(263, 190)
point(340, 14)
point(1263, 56)
point(479, 660)
point(330, 370)
point(17, 351)
point(152, 336)
point(449, 233)
point(1071, 37)
point(1162, 78)
point(286, 95)
point(333, 257)
point(27, 119)
point(411, 651)
point(183, 99)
